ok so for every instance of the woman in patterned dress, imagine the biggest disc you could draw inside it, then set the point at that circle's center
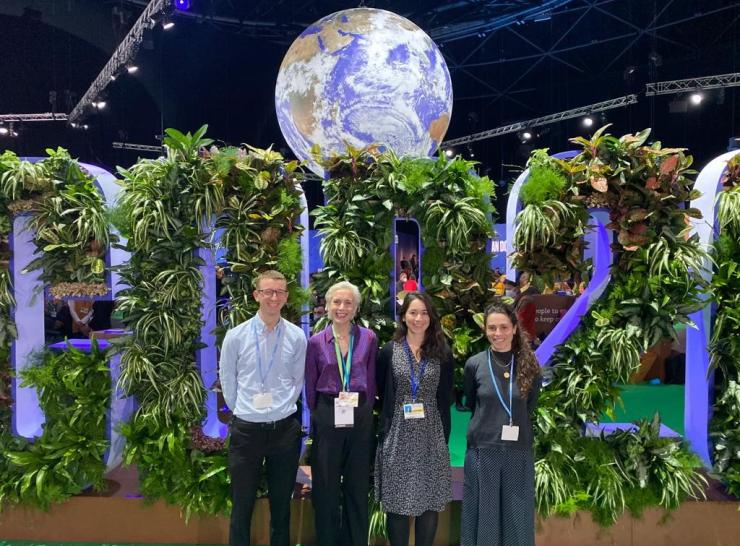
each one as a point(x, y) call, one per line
point(412, 465)
point(501, 386)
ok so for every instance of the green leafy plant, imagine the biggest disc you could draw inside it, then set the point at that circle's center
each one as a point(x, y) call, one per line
point(725, 341)
point(655, 283)
point(74, 394)
point(168, 208)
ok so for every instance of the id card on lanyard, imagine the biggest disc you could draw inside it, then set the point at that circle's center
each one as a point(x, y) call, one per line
point(346, 402)
point(414, 410)
point(510, 432)
point(263, 399)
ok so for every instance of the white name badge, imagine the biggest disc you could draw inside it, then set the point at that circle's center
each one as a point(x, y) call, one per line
point(413, 411)
point(510, 433)
point(262, 400)
point(349, 399)
point(344, 415)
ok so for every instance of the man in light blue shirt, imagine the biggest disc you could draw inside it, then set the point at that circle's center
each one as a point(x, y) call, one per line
point(261, 370)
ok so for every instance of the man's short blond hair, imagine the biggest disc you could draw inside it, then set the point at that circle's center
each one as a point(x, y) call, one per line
point(269, 274)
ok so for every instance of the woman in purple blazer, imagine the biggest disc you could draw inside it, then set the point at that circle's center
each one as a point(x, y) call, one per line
point(340, 390)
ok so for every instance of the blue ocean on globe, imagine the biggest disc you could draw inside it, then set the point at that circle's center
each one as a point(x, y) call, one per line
point(359, 77)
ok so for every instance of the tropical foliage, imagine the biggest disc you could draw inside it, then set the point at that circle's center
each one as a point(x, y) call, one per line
point(655, 284)
point(166, 211)
point(74, 393)
point(725, 345)
point(68, 216)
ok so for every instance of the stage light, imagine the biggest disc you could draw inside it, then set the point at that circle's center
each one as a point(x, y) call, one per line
point(525, 135)
point(3, 129)
point(99, 105)
point(449, 152)
point(182, 5)
point(588, 121)
point(696, 98)
point(131, 68)
point(167, 23)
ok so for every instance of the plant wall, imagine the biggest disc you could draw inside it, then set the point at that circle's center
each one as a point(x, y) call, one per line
point(365, 191)
point(725, 343)
point(165, 212)
point(655, 284)
point(67, 214)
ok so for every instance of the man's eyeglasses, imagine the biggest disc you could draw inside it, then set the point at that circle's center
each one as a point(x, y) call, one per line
point(270, 293)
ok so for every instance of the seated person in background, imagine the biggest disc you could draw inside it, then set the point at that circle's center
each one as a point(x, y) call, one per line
point(402, 278)
point(81, 312)
point(526, 288)
point(411, 285)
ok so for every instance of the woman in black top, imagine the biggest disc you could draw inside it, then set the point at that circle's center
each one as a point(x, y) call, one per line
point(501, 386)
point(412, 468)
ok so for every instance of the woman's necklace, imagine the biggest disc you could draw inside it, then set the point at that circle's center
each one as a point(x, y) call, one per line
point(504, 367)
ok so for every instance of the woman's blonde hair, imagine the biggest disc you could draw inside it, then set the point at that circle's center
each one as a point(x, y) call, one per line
point(342, 285)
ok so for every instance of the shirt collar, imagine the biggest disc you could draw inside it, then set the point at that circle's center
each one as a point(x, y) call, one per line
point(262, 327)
point(329, 333)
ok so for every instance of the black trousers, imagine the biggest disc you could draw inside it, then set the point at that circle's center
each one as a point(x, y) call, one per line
point(340, 474)
point(278, 443)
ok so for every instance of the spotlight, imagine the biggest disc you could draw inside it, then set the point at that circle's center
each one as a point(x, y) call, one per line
point(85, 126)
point(182, 5)
point(98, 105)
point(167, 23)
point(449, 152)
point(525, 136)
point(73, 125)
point(470, 151)
point(3, 130)
point(11, 131)
point(696, 98)
point(588, 121)
point(131, 68)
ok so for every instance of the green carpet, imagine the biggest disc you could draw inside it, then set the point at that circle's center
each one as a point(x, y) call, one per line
point(639, 401)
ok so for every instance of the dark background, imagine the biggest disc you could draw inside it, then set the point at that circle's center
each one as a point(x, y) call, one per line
point(219, 65)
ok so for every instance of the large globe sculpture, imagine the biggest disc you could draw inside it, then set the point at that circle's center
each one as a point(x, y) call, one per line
point(363, 76)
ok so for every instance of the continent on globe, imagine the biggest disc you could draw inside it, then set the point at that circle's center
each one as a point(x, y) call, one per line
point(359, 77)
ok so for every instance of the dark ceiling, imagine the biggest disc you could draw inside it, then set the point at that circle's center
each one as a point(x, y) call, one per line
point(509, 61)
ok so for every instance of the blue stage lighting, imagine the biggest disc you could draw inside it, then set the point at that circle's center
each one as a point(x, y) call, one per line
point(182, 5)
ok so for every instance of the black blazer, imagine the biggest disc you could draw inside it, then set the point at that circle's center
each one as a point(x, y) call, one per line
point(387, 390)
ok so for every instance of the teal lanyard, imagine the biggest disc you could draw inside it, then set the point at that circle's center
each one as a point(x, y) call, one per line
point(508, 408)
point(265, 374)
point(345, 364)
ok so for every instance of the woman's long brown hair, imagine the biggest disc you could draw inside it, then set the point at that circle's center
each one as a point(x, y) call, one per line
point(435, 344)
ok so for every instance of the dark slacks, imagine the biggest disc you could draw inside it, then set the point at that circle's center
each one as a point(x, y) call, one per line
point(498, 497)
point(340, 474)
point(251, 444)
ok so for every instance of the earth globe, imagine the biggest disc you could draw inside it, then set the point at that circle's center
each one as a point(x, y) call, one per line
point(363, 76)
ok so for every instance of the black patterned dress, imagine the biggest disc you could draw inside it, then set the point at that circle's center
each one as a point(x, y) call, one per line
point(412, 464)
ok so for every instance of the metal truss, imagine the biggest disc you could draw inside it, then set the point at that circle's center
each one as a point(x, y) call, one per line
point(544, 120)
point(124, 53)
point(48, 116)
point(137, 147)
point(693, 84)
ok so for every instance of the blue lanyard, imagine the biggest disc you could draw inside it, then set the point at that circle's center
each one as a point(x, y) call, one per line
point(345, 364)
point(264, 375)
point(508, 408)
point(415, 381)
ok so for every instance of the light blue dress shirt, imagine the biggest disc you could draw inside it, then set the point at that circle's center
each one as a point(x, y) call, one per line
point(240, 374)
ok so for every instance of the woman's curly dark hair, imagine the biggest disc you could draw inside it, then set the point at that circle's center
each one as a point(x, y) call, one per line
point(527, 367)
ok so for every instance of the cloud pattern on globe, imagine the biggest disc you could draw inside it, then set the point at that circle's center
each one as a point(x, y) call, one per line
point(363, 76)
